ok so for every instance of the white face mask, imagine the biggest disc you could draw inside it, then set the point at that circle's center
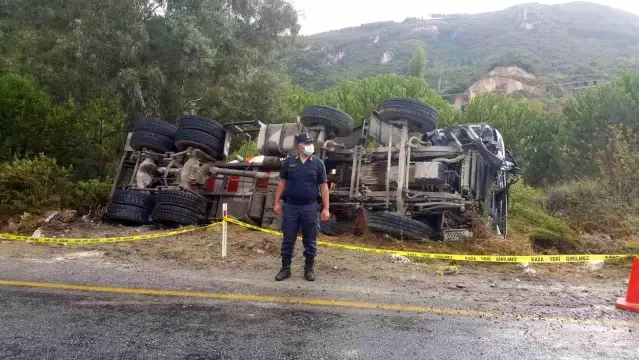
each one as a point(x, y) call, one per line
point(309, 149)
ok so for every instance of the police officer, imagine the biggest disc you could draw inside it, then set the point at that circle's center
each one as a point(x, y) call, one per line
point(302, 181)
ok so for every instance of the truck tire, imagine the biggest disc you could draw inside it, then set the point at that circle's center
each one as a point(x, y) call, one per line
point(206, 142)
point(156, 126)
point(208, 126)
point(183, 198)
point(169, 214)
point(128, 214)
point(147, 140)
point(398, 226)
point(332, 118)
point(135, 198)
point(421, 117)
point(332, 228)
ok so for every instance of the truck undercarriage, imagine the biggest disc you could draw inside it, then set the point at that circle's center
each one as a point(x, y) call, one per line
point(406, 177)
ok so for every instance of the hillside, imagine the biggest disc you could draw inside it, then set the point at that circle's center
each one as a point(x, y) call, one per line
point(556, 43)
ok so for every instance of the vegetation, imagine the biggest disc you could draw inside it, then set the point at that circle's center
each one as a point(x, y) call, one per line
point(72, 82)
point(41, 184)
point(417, 65)
point(557, 43)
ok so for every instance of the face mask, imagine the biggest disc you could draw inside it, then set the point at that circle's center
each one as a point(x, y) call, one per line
point(309, 149)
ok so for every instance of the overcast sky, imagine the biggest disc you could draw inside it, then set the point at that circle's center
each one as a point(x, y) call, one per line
point(323, 15)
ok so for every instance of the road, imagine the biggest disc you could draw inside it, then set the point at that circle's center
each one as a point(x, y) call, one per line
point(216, 318)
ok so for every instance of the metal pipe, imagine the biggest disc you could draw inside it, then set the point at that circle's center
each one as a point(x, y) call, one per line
point(351, 193)
point(410, 142)
point(333, 144)
point(450, 161)
point(402, 170)
point(135, 171)
point(388, 166)
point(358, 156)
point(245, 173)
point(407, 166)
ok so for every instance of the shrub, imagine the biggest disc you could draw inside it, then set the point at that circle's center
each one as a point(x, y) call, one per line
point(590, 207)
point(40, 184)
point(529, 215)
point(89, 196)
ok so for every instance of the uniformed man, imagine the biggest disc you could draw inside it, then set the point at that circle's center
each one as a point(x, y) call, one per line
point(302, 181)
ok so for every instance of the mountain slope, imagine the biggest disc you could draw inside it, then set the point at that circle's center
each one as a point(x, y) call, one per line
point(574, 41)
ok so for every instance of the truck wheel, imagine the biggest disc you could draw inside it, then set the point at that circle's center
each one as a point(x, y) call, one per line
point(206, 142)
point(421, 117)
point(398, 226)
point(156, 126)
point(172, 215)
point(208, 126)
point(332, 228)
point(147, 140)
point(135, 198)
point(328, 116)
point(128, 214)
point(182, 198)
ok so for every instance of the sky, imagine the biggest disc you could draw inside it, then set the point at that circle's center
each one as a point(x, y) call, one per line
point(323, 15)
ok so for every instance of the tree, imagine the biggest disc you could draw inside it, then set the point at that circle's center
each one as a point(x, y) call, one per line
point(359, 98)
point(589, 117)
point(417, 65)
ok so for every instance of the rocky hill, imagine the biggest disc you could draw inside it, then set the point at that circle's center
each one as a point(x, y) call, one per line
point(553, 43)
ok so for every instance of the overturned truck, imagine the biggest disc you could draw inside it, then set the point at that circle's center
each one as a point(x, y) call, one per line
point(397, 170)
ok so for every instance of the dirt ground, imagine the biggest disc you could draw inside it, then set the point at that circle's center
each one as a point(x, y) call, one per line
point(251, 250)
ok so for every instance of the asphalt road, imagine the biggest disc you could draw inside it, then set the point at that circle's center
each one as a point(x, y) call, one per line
point(38, 323)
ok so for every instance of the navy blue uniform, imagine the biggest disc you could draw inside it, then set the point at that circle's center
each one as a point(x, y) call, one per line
point(301, 203)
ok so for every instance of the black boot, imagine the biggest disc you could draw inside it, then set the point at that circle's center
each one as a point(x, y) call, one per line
point(285, 271)
point(309, 272)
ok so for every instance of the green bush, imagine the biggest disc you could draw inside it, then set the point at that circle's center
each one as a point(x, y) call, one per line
point(88, 196)
point(529, 215)
point(39, 184)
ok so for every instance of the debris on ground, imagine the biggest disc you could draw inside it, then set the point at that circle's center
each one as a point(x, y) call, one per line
point(394, 258)
point(527, 269)
point(68, 216)
point(51, 217)
point(594, 265)
point(448, 270)
point(37, 233)
point(460, 286)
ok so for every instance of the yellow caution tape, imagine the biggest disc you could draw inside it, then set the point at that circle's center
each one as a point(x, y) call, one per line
point(109, 240)
point(455, 257)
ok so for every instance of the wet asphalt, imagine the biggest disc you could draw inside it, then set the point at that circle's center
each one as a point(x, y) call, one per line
point(54, 324)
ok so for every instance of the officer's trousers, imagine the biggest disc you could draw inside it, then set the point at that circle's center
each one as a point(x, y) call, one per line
point(306, 216)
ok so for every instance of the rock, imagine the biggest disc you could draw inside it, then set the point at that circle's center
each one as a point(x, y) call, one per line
point(260, 251)
point(493, 285)
point(594, 265)
point(12, 227)
point(394, 258)
point(68, 216)
point(460, 286)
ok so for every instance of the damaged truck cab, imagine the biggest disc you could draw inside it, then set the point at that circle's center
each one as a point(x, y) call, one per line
point(397, 169)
